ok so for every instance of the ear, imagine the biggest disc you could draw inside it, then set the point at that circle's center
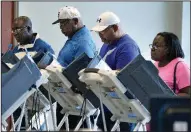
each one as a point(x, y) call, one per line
point(167, 51)
point(115, 28)
point(29, 29)
point(75, 21)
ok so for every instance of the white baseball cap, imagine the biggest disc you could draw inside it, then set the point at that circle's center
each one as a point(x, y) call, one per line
point(105, 19)
point(67, 12)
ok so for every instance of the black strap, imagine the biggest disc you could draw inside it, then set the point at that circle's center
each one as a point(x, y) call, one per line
point(174, 81)
point(93, 70)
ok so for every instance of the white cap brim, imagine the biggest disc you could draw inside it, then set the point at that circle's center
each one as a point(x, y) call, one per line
point(98, 28)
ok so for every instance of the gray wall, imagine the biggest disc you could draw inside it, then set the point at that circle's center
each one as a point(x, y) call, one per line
point(186, 31)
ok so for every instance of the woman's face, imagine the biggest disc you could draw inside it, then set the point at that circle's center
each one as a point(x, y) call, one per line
point(159, 49)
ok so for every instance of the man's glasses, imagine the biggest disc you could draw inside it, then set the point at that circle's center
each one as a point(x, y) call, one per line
point(18, 30)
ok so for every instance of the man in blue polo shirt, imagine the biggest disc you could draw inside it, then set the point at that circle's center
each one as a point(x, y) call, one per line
point(118, 50)
point(27, 39)
point(79, 37)
point(23, 33)
point(79, 41)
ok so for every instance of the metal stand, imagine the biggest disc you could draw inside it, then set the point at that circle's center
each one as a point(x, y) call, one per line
point(102, 110)
point(24, 112)
point(21, 116)
point(64, 120)
point(116, 126)
point(47, 107)
point(18, 103)
point(59, 88)
point(53, 118)
point(140, 127)
point(87, 118)
point(3, 128)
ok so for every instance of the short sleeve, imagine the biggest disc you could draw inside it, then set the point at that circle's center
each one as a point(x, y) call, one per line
point(126, 55)
point(183, 75)
point(84, 47)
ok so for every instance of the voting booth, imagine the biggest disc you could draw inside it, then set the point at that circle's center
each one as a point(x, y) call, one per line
point(126, 94)
point(17, 84)
point(21, 79)
point(65, 87)
point(81, 88)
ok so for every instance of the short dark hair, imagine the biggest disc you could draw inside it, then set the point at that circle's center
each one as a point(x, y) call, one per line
point(25, 19)
point(173, 44)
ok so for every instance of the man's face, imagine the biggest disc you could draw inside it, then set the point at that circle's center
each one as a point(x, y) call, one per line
point(159, 49)
point(107, 35)
point(20, 31)
point(67, 27)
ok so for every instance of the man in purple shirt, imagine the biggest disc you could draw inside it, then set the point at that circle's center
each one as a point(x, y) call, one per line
point(118, 50)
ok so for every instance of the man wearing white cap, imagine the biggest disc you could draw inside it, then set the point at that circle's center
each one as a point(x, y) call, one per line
point(79, 37)
point(79, 41)
point(118, 48)
point(117, 51)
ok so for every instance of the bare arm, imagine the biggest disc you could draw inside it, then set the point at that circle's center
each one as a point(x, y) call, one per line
point(185, 91)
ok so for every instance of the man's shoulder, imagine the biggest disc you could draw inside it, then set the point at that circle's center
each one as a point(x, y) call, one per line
point(84, 30)
point(83, 38)
point(83, 34)
point(128, 46)
point(15, 49)
point(82, 41)
point(128, 40)
point(127, 43)
point(41, 43)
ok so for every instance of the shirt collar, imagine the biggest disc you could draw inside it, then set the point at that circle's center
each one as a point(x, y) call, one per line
point(79, 32)
point(31, 45)
point(114, 43)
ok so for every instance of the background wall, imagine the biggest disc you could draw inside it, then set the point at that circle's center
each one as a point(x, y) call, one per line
point(186, 30)
point(7, 13)
point(141, 20)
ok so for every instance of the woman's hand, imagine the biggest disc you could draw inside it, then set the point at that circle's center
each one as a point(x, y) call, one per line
point(185, 92)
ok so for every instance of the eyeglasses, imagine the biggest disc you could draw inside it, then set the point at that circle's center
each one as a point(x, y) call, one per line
point(18, 30)
point(155, 47)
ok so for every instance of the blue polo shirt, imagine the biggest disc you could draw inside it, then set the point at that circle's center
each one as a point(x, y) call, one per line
point(118, 54)
point(81, 42)
point(37, 45)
